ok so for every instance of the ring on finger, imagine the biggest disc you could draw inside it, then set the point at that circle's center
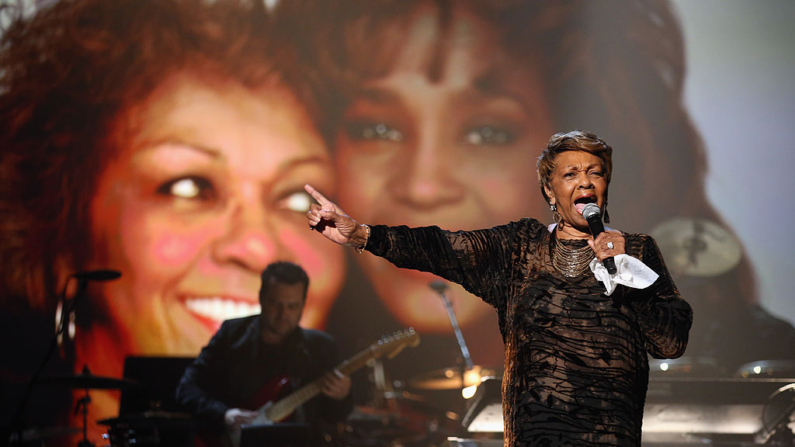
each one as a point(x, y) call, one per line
point(610, 245)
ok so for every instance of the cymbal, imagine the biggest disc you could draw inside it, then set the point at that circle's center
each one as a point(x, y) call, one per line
point(450, 378)
point(403, 395)
point(697, 247)
point(88, 381)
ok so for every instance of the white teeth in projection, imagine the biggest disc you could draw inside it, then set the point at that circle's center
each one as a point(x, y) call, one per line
point(221, 309)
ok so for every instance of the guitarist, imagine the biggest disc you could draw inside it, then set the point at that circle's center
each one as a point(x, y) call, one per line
point(260, 358)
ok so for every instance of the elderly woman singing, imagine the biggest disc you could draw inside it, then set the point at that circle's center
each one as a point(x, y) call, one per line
point(576, 337)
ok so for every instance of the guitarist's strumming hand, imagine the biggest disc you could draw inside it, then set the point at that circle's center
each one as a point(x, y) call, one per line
point(335, 385)
point(331, 221)
point(235, 417)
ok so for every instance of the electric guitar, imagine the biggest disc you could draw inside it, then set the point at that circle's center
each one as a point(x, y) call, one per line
point(274, 412)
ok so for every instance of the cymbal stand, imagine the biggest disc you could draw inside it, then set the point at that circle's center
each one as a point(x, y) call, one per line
point(440, 287)
point(385, 396)
point(82, 407)
point(379, 380)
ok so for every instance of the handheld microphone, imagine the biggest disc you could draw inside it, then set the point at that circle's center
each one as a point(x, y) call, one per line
point(97, 275)
point(593, 215)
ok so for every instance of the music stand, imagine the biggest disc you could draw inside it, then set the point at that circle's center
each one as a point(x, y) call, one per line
point(279, 435)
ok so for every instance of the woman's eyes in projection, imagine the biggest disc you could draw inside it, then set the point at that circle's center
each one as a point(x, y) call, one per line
point(297, 201)
point(474, 135)
point(193, 187)
point(488, 135)
point(373, 130)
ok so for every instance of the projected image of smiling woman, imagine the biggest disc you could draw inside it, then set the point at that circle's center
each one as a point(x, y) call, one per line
point(183, 153)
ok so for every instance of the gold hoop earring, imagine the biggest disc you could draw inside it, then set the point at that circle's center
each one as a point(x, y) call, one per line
point(558, 219)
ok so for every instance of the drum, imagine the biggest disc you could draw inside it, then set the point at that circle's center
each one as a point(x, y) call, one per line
point(120, 435)
point(150, 429)
point(778, 418)
point(684, 366)
point(767, 368)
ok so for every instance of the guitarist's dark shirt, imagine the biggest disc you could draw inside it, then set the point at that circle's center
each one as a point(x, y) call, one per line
point(236, 365)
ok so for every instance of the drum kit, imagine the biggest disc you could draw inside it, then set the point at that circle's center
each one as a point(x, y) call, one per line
point(395, 417)
point(147, 429)
point(423, 410)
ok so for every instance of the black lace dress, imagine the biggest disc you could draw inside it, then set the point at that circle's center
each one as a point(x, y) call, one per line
point(576, 365)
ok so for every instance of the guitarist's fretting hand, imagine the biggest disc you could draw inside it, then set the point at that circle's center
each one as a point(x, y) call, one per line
point(335, 385)
point(235, 417)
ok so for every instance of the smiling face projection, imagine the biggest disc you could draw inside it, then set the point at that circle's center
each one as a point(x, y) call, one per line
point(205, 190)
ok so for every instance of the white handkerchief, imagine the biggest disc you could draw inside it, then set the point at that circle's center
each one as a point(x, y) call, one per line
point(630, 272)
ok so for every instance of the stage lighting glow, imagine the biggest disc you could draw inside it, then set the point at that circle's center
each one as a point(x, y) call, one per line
point(469, 391)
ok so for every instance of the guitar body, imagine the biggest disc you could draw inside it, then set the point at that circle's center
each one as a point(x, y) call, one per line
point(274, 389)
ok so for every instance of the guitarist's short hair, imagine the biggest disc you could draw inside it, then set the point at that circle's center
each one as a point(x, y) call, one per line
point(284, 272)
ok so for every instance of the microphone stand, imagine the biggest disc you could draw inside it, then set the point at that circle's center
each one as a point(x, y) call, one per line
point(440, 288)
point(68, 307)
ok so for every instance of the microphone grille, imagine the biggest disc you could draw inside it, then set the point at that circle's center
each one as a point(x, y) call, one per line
point(438, 286)
point(591, 210)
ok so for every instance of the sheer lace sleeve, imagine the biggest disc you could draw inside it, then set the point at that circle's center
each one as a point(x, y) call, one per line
point(664, 316)
point(478, 260)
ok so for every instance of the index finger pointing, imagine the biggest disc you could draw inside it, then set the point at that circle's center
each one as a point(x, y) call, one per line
point(321, 199)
